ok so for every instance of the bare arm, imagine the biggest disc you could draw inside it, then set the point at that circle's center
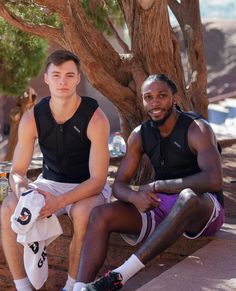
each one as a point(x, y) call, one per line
point(202, 141)
point(143, 200)
point(23, 153)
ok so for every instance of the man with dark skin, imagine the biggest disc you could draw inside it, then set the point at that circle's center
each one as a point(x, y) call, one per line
point(184, 199)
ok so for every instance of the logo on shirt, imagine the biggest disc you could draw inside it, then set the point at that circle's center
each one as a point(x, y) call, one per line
point(177, 144)
point(43, 258)
point(34, 247)
point(26, 192)
point(76, 128)
point(24, 217)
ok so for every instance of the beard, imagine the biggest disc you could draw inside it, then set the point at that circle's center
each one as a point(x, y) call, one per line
point(160, 122)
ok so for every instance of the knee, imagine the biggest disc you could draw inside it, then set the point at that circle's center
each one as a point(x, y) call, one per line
point(8, 207)
point(187, 196)
point(82, 216)
point(101, 216)
point(9, 204)
point(79, 211)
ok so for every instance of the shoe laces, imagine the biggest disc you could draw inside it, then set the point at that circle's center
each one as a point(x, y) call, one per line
point(110, 281)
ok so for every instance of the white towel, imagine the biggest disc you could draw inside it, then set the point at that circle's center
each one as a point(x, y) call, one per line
point(35, 235)
point(27, 211)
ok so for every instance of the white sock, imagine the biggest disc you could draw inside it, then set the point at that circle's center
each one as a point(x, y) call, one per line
point(78, 286)
point(23, 284)
point(69, 284)
point(129, 268)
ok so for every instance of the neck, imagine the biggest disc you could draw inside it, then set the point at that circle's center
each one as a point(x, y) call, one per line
point(62, 110)
point(169, 124)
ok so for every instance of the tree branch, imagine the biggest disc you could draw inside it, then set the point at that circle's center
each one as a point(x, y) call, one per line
point(116, 35)
point(188, 15)
point(51, 4)
point(44, 31)
point(175, 8)
point(114, 31)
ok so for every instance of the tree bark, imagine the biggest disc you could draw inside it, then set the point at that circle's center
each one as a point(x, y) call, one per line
point(188, 15)
point(25, 102)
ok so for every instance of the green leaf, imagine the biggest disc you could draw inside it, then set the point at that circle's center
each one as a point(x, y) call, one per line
point(21, 58)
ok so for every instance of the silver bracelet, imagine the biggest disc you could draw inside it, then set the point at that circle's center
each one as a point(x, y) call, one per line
point(154, 190)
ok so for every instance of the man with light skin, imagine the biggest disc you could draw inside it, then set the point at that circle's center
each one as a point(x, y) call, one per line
point(73, 133)
point(185, 197)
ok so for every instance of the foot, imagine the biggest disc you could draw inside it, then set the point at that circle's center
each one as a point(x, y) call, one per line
point(111, 281)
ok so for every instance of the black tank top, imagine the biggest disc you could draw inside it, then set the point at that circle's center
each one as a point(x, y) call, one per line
point(171, 156)
point(65, 147)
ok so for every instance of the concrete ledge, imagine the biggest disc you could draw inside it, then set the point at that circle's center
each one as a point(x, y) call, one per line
point(212, 267)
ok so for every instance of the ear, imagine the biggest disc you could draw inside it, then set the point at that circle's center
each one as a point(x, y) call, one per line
point(78, 79)
point(46, 78)
point(175, 99)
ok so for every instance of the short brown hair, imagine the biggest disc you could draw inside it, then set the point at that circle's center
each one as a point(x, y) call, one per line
point(58, 57)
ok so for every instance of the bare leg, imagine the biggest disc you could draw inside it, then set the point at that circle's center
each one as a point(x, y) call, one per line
point(80, 215)
point(104, 220)
point(190, 213)
point(12, 250)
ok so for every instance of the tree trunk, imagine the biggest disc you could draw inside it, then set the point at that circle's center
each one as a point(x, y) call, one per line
point(25, 102)
point(152, 38)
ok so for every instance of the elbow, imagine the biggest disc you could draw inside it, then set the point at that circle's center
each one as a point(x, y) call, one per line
point(217, 183)
point(117, 190)
point(217, 186)
point(10, 180)
point(114, 189)
point(100, 184)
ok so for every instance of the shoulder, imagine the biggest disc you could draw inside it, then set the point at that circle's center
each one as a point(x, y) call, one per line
point(27, 123)
point(201, 127)
point(146, 129)
point(90, 110)
point(89, 102)
point(196, 124)
point(200, 134)
point(42, 102)
point(99, 117)
point(134, 141)
point(146, 124)
point(98, 124)
point(136, 133)
point(28, 116)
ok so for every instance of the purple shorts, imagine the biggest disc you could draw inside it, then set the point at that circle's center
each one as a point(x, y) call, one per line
point(151, 219)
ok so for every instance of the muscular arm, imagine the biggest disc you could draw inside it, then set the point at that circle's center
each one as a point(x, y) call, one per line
point(23, 153)
point(128, 167)
point(202, 142)
point(143, 200)
point(98, 133)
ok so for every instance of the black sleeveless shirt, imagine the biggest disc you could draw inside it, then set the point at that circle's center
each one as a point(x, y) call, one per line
point(65, 147)
point(171, 156)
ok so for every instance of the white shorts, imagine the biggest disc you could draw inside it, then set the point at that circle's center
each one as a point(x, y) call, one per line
point(58, 188)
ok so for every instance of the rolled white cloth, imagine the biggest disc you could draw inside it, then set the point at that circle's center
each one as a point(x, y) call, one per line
point(35, 235)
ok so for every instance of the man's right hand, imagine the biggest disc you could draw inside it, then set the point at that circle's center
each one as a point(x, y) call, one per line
point(145, 200)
